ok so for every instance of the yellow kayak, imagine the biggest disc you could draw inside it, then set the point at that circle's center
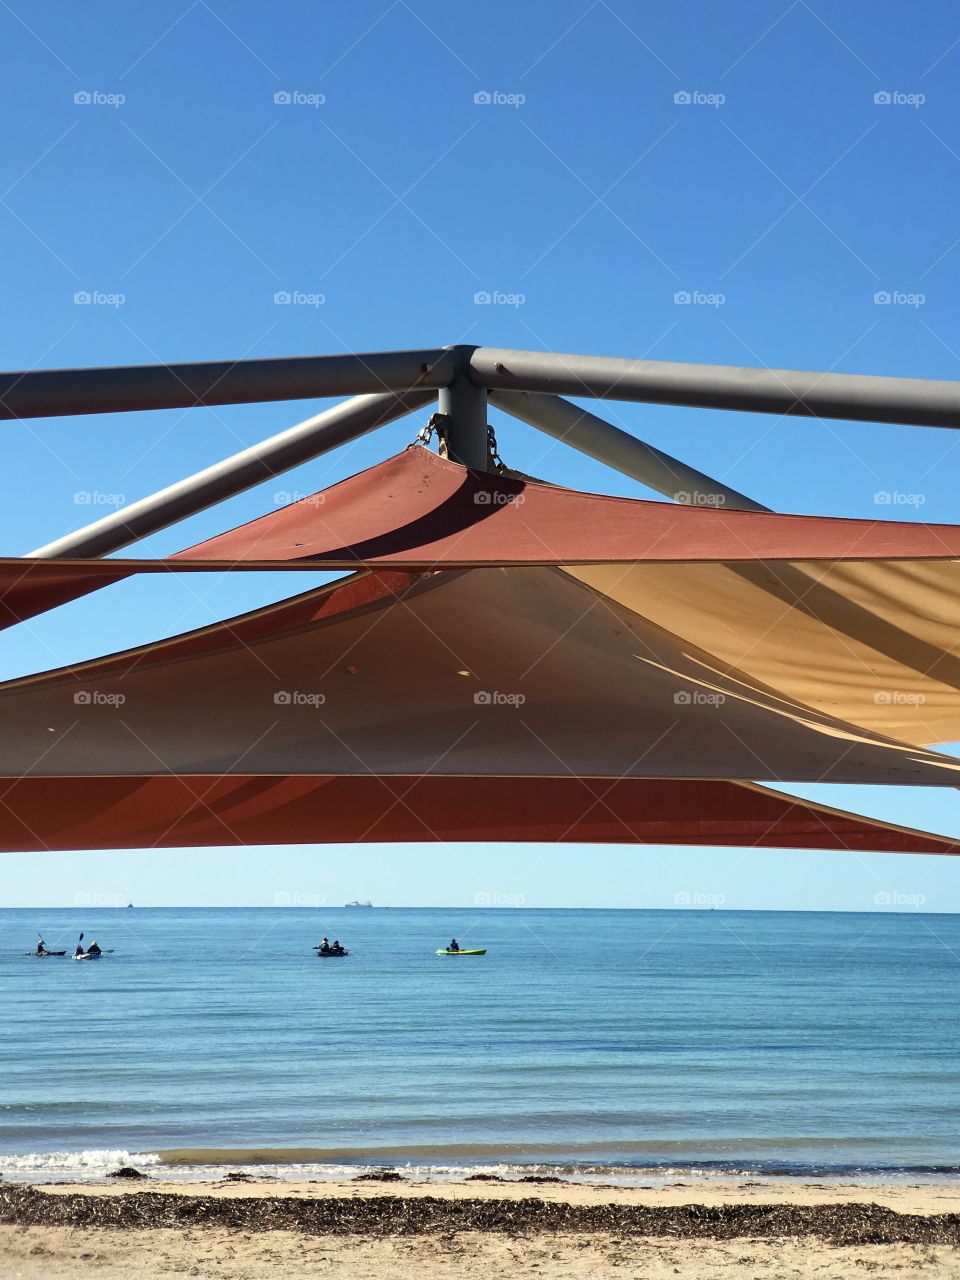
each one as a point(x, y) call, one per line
point(479, 951)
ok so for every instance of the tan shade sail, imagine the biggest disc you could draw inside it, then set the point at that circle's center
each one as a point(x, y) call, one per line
point(484, 672)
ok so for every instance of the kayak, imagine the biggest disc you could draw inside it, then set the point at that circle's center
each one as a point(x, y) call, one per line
point(89, 955)
point(40, 954)
point(331, 955)
point(445, 951)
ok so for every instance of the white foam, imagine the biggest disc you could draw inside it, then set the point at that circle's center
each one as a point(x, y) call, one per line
point(96, 1163)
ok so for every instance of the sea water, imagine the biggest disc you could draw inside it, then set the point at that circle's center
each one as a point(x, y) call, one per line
point(619, 1045)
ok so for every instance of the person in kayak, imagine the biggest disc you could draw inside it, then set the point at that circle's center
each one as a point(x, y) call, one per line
point(41, 947)
point(324, 947)
point(454, 945)
point(94, 950)
point(337, 949)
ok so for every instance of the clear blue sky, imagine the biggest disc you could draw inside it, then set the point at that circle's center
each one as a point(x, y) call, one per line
point(585, 192)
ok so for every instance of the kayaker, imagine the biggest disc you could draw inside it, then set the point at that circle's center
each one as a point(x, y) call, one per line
point(337, 949)
point(324, 947)
point(454, 945)
point(94, 950)
point(41, 947)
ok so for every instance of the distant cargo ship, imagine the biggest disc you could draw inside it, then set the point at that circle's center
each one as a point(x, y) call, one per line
point(358, 904)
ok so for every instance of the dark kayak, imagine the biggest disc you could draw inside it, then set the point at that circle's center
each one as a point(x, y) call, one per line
point(331, 955)
point(40, 954)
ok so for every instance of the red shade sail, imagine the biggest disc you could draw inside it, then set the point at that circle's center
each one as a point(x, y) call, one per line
point(240, 809)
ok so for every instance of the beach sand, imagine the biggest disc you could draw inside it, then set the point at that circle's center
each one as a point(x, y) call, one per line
point(551, 1231)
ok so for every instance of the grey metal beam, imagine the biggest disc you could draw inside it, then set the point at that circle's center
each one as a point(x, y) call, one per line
point(911, 401)
point(618, 449)
point(242, 471)
point(464, 405)
point(42, 393)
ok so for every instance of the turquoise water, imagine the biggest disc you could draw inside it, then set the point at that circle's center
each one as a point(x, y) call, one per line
point(595, 1040)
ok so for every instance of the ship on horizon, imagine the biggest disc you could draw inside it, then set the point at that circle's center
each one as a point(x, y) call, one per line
point(356, 903)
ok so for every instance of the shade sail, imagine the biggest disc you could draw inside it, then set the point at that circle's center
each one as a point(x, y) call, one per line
point(416, 510)
point(512, 672)
point(168, 812)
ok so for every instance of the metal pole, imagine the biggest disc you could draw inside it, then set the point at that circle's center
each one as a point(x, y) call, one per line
point(269, 458)
point(464, 405)
point(52, 392)
point(607, 443)
point(912, 401)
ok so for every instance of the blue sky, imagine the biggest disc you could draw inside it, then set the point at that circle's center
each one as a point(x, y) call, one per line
point(787, 165)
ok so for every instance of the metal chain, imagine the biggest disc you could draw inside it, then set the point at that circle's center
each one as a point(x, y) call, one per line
point(493, 452)
point(436, 426)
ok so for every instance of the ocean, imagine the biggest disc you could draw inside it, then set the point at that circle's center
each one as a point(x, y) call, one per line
point(629, 1046)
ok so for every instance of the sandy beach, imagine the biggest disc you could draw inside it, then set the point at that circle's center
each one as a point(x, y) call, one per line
point(392, 1230)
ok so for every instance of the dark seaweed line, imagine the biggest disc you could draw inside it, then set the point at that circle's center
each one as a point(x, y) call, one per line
point(840, 1224)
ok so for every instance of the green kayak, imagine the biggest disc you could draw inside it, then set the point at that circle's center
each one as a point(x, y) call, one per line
point(445, 951)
